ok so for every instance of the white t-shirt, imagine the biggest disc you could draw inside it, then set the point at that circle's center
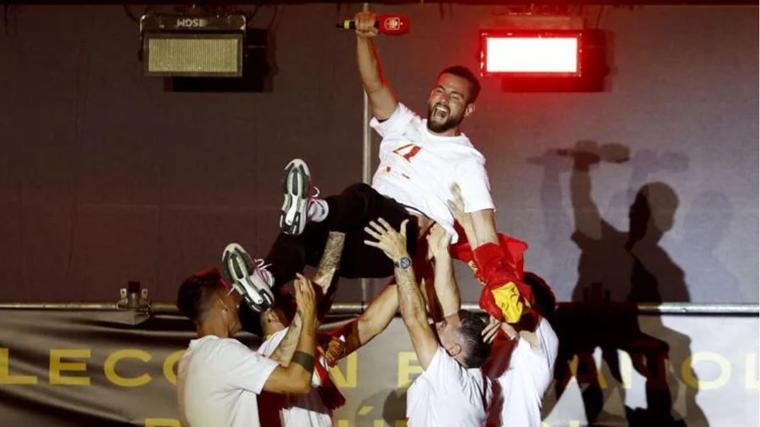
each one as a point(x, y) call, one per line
point(522, 385)
point(418, 168)
point(217, 383)
point(447, 394)
point(306, 410)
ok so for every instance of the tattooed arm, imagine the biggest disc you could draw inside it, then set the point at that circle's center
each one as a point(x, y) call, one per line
point(410, 300)
point(284, 351)
point(296, 377)
point(328, 265)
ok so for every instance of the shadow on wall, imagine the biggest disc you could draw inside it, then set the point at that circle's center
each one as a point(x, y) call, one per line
point(616, 270)
point(706, 223)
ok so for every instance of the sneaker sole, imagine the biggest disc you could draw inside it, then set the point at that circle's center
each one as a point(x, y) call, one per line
point(236, 262)
point(239, 270)
point(295, 190)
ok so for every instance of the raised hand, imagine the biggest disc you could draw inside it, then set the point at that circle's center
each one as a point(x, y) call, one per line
point(365, 24)
point(456, 206)
point(493, 327)
point(491, 330)
point(438, 242)
point(305, 298)
point(390, 241)
point(335, 350)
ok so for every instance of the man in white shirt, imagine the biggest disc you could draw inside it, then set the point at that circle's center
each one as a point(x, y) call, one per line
point(420, 159)
point(522, 365)
point(313, 409)
point(280, 329)
point(452, 390)
point(219, 377)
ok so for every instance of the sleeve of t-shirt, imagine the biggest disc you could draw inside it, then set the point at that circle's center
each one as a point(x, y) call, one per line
point(270, 344)
point(476, 190)
point(244, 368)
point(401, 117)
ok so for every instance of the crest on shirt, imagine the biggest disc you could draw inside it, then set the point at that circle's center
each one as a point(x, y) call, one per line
point(408, 151)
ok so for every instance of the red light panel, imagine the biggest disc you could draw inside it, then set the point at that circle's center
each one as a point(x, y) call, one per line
point(531, 53)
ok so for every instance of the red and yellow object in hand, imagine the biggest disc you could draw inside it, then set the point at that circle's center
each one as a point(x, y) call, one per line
point(505, 301)
point(500, 268)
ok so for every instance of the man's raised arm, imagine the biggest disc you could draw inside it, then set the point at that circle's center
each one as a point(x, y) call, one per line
point(328, 266)
point(296, 377)
point(381, 98)
point(359, 332)
point(410, 300)
point(446, 289)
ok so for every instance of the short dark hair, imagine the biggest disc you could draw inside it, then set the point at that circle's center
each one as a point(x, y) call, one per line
point(546, 302)
point(465, 73)
point(195, 294)
point(471, 328)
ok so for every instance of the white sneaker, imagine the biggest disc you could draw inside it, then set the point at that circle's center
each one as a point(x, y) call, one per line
point(248, 276)
point(298, 207)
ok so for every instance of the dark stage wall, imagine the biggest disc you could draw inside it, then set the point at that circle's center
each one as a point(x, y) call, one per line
point(106, 177)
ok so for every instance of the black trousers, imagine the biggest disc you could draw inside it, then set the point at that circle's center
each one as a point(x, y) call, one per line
point(349, 213)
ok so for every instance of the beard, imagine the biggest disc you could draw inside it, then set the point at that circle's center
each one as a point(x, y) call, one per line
point(440, 125)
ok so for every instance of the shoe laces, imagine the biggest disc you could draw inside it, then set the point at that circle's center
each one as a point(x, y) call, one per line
point(312, 201)
point(261, 264)
point(263, 269)
point(315, 190)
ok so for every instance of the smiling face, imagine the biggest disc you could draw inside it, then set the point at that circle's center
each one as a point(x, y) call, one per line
point(448, 104)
